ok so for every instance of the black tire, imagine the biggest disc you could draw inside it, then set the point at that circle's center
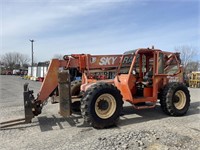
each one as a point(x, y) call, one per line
point(101, 105)
point(75, 87)
point(75, 91)
point(175, 99)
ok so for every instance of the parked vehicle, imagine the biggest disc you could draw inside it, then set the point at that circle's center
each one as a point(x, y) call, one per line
point(143, 76)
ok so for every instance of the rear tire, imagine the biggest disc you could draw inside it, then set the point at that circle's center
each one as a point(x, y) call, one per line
point(101, 105)
point(75, 91)
point(75, 87)
point(175, 99)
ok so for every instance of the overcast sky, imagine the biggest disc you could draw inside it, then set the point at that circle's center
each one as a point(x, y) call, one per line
point(97, 26)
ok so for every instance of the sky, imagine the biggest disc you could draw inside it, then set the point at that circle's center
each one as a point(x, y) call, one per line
point(61, 27)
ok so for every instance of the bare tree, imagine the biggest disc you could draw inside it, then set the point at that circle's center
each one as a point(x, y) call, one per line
point(187, 55)
point(24, 59)
point(14, 59)
point(193, 66)
point(8, 60)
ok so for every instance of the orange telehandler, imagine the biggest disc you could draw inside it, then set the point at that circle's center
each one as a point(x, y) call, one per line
point(141, 77)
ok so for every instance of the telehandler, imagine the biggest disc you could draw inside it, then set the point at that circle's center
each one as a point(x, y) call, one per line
point(142, 77)
point(194, 80)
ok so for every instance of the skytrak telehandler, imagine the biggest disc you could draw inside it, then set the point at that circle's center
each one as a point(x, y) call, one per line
point(143, 77)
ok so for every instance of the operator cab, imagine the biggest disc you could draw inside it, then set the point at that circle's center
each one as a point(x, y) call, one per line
point(135, 78)
point(143, 72)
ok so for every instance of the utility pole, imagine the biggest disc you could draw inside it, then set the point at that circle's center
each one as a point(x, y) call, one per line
point(31, 56)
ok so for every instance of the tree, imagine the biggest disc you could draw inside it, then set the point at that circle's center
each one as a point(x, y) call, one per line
point(24, 60)
point(14, 60)
point(187, 56)
point(193, 66)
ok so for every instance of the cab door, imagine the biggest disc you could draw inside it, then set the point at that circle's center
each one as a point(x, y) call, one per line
point(125, 80)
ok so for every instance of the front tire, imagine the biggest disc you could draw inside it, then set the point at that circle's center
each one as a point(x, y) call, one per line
point(101, 105)
point(175, 99)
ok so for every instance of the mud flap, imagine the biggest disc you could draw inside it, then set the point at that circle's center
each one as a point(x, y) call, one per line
point(64, 93)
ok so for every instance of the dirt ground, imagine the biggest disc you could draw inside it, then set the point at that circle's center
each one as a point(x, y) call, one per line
point(137, 129)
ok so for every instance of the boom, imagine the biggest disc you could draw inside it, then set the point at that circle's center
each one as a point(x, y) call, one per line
point(87, 64)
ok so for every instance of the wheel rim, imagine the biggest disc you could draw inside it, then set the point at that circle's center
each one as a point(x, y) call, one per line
point(180, 100)
point(105, 106)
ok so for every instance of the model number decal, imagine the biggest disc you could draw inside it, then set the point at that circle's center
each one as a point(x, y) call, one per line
point(127, 60)
point(107, 61)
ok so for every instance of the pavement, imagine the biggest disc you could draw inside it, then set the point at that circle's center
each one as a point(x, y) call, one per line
point(137, 129)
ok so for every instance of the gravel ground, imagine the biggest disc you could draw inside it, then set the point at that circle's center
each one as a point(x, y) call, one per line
point(147, 129)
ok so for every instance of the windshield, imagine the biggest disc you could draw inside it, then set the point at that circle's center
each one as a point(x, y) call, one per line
point(126, 63)
point(130, 52)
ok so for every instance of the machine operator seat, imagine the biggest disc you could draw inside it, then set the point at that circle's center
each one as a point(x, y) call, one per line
point(147, 79)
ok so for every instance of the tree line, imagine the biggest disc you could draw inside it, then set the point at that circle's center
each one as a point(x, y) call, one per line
point(16, 60)
point(188, 60)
